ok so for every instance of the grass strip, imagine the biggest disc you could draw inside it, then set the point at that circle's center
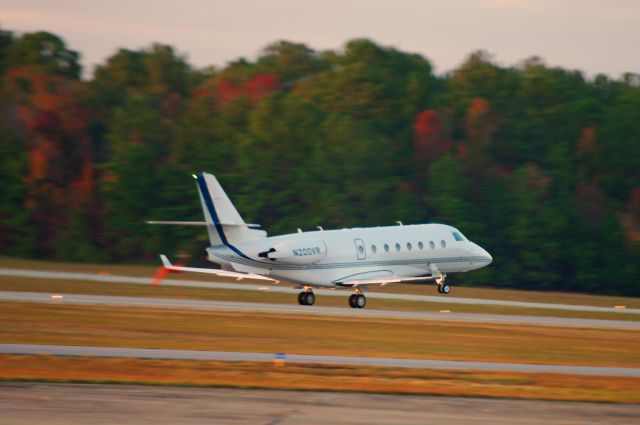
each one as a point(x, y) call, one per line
point(319, 378)
point(137, 327)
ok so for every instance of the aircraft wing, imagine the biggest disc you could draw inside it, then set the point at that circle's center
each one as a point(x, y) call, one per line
point(237, 275)
point(384, 281)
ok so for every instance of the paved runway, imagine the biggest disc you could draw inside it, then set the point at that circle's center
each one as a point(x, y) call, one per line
point(272, 288)
point(68, 404)
point(66, 350)
point(43, 297)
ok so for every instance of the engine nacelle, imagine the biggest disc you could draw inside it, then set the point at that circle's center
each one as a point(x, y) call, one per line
point(297, 252)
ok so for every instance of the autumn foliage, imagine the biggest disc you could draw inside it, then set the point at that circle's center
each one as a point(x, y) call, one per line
point(430, 140)
point(254, 89)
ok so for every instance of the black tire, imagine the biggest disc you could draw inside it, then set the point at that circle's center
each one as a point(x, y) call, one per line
point(360, 301)
point(302, 298)
point(446, 288)
point(310, 298)
point(439, 289)
point(352, 301)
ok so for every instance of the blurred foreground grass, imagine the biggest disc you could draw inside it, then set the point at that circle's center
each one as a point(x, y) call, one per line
point(320, 377)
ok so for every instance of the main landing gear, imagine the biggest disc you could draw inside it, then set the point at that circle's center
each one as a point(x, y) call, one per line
point(306, 297)
point(357, 300)
point(443, 287)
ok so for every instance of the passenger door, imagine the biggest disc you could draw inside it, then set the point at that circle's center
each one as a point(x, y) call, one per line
point(360, 249)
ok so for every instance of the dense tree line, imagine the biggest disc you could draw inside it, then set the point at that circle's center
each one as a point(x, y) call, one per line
point(540, 165)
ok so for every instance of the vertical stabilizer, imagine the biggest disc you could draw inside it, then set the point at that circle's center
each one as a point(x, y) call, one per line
point(224, 223)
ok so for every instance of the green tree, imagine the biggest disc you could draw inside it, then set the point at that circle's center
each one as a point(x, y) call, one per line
point(132, 187)
point(17, 233)
point(44, 52)
point(290, 61)
point(536, 231)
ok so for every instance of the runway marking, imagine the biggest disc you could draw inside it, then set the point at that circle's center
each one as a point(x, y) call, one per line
point(145, 353)
point(328, 292)
point(41, 297)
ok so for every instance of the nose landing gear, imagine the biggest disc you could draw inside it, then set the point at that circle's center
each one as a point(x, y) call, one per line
point(443, 287)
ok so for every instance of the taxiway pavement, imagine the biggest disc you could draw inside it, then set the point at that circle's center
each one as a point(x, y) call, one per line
point(280, 289)
point(109, 300)
point(27, 403)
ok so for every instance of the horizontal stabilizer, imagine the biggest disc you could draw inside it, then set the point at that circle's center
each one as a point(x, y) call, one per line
point(203, 223)
point(179, 223)
point(236, 275)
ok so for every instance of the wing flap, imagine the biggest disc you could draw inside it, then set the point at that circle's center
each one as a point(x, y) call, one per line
point(237, 275)
point(385, 281)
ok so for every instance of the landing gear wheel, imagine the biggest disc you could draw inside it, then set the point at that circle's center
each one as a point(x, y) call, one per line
point(310, 298)
point(352, 300)
point(302, 298)
point(446, 288)
point(439, 289)
point(360, 301)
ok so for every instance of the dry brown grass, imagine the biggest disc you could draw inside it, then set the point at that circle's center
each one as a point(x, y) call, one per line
point(459, 291)
point(325, 378)
point(324, 335)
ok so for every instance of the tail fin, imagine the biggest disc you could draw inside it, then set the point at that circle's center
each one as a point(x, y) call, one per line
point(224, 224)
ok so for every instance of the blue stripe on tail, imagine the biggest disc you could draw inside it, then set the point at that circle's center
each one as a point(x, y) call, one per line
point(204, 190)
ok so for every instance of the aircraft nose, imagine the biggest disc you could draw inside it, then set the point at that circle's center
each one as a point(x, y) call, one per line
point(487, 256)
point(478, 251)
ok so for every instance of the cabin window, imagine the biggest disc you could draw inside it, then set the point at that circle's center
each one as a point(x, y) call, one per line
point(432, 245)
point(457, 236)
point(397, 246)
point(443, 243)
point(361, 249)
point(373, 249)
point(386, 247)
point(420, 246)
point(409, 247)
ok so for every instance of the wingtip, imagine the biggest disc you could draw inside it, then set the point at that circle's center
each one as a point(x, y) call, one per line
point(165, 260)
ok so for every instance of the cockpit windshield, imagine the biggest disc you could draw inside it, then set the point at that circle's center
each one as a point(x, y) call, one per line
point(457, 236)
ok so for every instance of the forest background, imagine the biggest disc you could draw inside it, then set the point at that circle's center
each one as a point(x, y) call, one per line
point(539, 165)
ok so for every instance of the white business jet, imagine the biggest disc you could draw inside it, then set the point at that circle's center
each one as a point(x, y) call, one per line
point(348, 258)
